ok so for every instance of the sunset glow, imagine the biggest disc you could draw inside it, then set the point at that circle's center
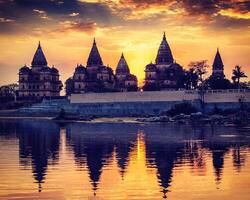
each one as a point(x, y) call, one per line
point(66, 29)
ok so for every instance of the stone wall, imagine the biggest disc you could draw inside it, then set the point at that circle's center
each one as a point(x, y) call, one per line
point(149, 96)
point(128, 104)
point(210, 96)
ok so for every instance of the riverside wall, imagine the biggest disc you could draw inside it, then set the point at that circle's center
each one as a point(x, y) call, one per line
point(128, 104)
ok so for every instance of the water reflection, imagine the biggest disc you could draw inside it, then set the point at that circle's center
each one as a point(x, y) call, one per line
point(145, 152)
point(38, 144)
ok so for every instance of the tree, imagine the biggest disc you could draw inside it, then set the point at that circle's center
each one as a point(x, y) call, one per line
point(218, 83)
point(69, 86)
point(200, 68)
point(237, 75)
point(190, 79)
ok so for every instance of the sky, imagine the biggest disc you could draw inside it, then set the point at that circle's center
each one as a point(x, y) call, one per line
point(194, 30)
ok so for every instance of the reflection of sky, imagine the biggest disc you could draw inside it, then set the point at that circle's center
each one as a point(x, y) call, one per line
point(66, 30)
point(101, 159)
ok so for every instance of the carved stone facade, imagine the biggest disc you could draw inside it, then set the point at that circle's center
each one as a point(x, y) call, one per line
point(96, 77)
point(165, 73)
point(39, 80)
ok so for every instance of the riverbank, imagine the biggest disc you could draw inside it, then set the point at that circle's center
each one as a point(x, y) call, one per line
point(241, 119)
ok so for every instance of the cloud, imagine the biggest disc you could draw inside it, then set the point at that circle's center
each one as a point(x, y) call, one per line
point(73, 14)
point(123, 13)
point(39, 11)
point(82, 26)
point(4, 20)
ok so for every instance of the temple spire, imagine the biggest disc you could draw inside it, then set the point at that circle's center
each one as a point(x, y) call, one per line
point(164, 55)
point(122, 67)
point(94, 58)
point(39, 57)
point(218, 64)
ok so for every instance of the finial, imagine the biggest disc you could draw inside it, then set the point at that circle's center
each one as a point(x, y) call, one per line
point(164, 35)
point(122, 55)
point(94, 41)
point(217, 49)
point(39, 45)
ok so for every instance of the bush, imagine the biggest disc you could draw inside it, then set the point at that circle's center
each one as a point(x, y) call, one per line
point(185, 108)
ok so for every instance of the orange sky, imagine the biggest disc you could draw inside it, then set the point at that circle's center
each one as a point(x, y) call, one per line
point(194, 30)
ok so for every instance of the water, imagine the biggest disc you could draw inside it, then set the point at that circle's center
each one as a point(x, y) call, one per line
point(44, 160)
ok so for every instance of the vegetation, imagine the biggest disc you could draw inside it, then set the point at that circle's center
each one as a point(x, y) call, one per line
point(69, 86)
point(181, 108)
point(190, 79)
point(199, 68)
point(218, 83)
point(237, 75)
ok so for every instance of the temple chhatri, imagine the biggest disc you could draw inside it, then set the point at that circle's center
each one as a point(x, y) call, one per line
point(40, 80)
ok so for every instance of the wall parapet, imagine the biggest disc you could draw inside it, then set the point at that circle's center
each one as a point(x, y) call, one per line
point(209, 96)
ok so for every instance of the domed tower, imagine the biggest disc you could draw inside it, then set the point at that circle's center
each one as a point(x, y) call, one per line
point(39, 80)
point(122, 69)
point(24, 76)
point(164, 56)
point(150, 73)
point(94, 59)
point(39, 59)
point(79, 79)
point(218, 67)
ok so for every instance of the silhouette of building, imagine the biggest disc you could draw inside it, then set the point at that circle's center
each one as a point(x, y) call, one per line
point(96, 77)
point(39, 80)
point(125, 81)
point(165, 73)
point(218, 66)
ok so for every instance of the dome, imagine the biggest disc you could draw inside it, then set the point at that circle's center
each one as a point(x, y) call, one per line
point(39, 57)
point(151, 67)
point(122, 67)
point(131, 77)
point(104, 69)
point(54, 70)
point(24, 70)
point(45, 69)
point(80, 69)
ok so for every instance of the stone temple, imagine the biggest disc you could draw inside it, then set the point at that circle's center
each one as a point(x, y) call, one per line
point(218, 66)
point(96, 77)
point(39, 80)
point(165, 73)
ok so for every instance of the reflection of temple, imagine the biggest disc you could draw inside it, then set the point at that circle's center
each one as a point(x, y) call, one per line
point(218, 153)
point(38, 143)
point(239, 157)
point(94, 145)
point(163, 156)
point(95, 152)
